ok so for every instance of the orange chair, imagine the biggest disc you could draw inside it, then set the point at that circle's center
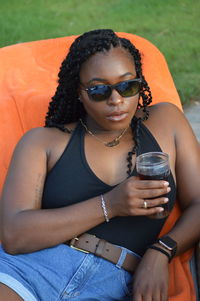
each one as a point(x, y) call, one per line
point(28, 78)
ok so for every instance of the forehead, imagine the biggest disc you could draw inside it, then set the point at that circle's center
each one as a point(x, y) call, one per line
point(107, 65)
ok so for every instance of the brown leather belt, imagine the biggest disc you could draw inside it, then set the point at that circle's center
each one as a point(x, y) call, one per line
point(91, 244)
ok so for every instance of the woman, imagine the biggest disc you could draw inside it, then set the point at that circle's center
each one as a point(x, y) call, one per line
point(76, 178)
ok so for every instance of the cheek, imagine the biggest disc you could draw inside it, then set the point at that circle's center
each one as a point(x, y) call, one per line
point(94, 109)
point(133, 103)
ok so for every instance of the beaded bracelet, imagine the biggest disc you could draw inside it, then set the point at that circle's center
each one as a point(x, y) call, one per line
point(162, 251)
point(103, 205)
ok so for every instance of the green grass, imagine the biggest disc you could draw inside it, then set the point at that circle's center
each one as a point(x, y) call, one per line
point(172, 25)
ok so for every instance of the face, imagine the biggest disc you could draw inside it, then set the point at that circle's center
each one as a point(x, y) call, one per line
point(108, 68)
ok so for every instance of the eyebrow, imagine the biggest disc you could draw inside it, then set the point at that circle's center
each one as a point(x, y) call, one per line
point(104, 80)
point(127, 73)
point(96, 79)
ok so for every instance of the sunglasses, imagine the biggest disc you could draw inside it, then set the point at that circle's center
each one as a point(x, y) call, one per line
point(126, 88)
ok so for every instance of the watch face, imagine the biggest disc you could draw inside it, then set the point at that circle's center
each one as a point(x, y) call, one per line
point(168, 242)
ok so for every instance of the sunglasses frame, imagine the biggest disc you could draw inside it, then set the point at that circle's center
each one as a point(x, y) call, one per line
point(138, 80)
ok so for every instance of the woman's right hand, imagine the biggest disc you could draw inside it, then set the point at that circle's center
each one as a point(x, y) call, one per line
point(127, 199)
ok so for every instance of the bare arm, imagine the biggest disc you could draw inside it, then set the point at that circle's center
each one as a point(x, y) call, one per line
point(187, 229)
point(184, 148)
point(24, 226)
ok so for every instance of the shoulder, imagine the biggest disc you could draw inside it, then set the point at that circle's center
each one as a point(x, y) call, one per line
point(38, 137)
point(163, 108)
point(41, 146)
point(166, 116)
point(168, 125)
point(167, 122)
point(44, 136)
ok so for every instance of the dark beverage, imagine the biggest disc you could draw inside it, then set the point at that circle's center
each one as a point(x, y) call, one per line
point(154, 166)
point(164, 177)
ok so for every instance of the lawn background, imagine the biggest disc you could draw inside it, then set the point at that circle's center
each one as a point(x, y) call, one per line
point(172, 25)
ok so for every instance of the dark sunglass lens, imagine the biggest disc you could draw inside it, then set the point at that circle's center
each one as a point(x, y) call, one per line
point(128, 88)
point(99, 93)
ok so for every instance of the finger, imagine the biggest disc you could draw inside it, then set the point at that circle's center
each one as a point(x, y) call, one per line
point(148, 211)
point(163, 294)
point(145, 184)
point(153, 193)
point(153, 202)
point(156, 295)
point(147, 297)
point(137, 297)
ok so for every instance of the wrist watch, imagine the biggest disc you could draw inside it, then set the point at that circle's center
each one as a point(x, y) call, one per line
point(169, 244)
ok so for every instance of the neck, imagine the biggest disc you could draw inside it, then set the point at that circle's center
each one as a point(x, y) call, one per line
point(113, 142)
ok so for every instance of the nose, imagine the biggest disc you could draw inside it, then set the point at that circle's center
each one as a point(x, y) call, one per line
point(115, 98)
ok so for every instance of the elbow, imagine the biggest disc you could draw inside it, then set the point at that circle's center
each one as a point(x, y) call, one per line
point(10, 243)
point(9, 248)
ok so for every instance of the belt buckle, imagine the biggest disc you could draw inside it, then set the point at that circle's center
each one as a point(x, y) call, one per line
point(78, 249)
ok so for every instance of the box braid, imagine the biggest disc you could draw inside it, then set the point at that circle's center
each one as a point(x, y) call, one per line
point(66, 107)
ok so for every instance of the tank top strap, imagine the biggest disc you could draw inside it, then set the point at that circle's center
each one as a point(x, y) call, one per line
point(147, 142)
point(77, 132)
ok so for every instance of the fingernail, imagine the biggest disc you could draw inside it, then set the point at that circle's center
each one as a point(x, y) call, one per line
point(166, 200)
point(161, 209)
point(168, 189)
point(166, 183)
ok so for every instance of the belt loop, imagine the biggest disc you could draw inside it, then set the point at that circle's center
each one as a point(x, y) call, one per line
point(121, 258)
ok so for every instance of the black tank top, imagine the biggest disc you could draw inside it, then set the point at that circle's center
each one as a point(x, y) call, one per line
point(72, 181)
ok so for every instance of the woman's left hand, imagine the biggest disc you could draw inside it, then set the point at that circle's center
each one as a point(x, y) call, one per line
point(151, 278)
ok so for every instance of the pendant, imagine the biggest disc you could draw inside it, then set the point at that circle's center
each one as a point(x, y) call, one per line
point(112, 143)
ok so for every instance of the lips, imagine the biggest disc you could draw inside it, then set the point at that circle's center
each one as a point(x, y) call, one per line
point(117, 116)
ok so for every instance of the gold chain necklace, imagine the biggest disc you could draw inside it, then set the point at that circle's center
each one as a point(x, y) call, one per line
point(112, 143)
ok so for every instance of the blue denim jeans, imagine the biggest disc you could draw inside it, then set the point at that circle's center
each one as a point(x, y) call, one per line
point(62, 273)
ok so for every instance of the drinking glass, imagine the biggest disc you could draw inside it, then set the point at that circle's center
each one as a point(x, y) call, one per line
point(154, 166)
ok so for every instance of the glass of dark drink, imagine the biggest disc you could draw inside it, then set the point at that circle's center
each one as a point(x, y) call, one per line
point(154, 166)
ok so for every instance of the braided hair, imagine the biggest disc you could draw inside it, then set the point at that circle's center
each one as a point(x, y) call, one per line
point(66, 107)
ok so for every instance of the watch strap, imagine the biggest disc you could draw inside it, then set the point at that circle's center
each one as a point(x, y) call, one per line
point(169, 244)
point(162, 251)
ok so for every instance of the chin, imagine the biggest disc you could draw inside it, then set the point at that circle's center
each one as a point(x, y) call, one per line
point(117, 125)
